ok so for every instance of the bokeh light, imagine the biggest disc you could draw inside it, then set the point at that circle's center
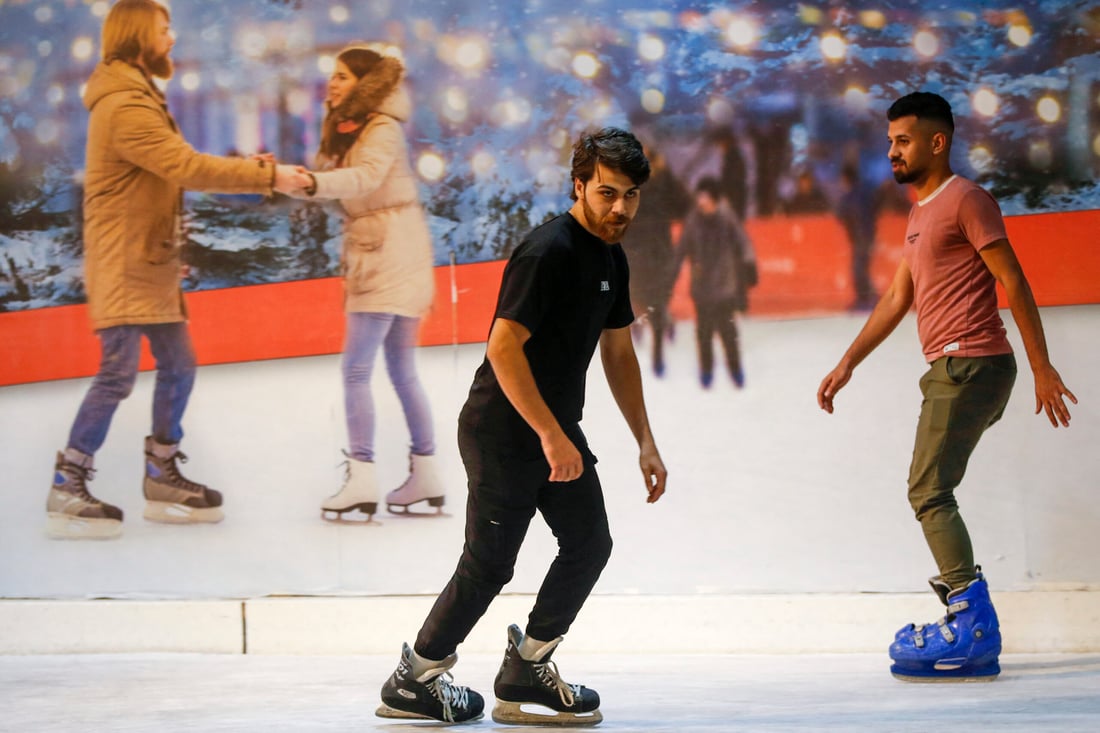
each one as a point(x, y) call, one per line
point(1049, 109)
point(326, 64)
point(482, 163)
point(833, 47)
point(926, 43)
point(585, 65)
point(99, 8)
point(985, 102)
point(456, 105)
point(430, 166)
point(856, 99)
point(45, 48)
point(653, 101)
point(981, 159)
point(741, 33)
point(82, 48)
point(651, 48)
point(190, 81)
point(1019, 35)
point(47, 131)
point(471, 54)
point(43, 13)
point(338, 14)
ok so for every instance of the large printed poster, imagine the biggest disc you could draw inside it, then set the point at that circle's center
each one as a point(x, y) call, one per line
point(782, 103)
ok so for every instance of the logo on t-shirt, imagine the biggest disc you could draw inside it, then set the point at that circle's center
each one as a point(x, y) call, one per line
point(605, 286)
point(912, 238)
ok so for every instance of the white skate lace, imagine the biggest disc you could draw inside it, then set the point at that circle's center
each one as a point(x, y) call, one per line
point(451, 696)
point(548, 674)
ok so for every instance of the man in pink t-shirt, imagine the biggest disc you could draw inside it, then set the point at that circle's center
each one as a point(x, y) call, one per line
point(956, 251)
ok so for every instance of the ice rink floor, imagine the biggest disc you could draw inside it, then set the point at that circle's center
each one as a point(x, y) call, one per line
point(161, 692)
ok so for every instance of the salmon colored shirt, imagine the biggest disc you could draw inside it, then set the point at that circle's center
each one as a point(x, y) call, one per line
point(954, 291)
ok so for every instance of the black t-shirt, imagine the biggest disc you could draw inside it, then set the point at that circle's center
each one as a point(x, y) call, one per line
point(565, 286)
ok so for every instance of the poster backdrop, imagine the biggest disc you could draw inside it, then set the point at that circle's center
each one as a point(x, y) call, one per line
point(774, 98)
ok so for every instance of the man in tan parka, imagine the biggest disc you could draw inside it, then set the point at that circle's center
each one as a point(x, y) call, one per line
point(137, 166)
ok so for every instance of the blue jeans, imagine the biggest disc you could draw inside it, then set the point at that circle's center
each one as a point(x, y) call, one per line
point(118, 369)
point(397, 335)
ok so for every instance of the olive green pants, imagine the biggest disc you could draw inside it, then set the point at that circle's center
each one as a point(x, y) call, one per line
point(962, 397)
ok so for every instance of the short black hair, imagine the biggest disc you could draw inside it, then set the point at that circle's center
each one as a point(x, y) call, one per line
point(615, 148)
point(923, 106)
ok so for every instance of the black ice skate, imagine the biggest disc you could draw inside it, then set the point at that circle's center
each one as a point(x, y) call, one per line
point(533, 693)
point(430, 696)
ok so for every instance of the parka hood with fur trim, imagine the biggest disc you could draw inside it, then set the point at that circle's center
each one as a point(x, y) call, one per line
point(379, 91)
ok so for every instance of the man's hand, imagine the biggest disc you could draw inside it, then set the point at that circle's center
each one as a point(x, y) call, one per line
point(290, 179)
point(1049, 396)
point(655, 473)
point(565, 460)
point(833, 382)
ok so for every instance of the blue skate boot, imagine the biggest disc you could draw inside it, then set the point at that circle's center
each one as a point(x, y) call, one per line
point(963, 646)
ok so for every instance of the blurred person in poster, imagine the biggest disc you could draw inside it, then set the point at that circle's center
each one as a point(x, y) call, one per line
point(649, 250)
point(137, 166)
point(807, 196)
point(856, 211)
point(565, 291)
point(723, 269)
point(955, 253)
point(386, 261)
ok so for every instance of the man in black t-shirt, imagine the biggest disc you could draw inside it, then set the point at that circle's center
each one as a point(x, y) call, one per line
point(564, 291)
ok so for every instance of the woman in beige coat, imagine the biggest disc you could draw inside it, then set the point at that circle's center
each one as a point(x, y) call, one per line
point(387, 266)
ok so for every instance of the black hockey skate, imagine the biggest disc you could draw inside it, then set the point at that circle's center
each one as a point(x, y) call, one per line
point(533, 693)
point(431, 696)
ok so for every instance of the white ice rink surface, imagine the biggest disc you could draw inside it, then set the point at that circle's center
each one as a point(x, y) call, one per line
point(638, 694)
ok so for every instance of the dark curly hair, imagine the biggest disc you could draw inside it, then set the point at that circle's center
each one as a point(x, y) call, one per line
point(615, 148)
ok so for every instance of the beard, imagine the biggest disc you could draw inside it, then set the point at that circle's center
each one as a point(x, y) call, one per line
point(158, 66)
point(610, 228)
point(905, 174)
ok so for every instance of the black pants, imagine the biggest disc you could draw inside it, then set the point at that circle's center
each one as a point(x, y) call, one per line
point(504, 493)
point(711, 317)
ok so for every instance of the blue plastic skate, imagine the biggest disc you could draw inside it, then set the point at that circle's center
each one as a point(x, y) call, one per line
point(963, 646)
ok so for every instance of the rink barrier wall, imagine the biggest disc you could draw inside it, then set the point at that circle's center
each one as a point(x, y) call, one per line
point(803, 262)
point(1031, 622)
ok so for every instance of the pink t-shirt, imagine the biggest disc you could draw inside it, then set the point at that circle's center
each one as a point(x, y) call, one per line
point(954, 292)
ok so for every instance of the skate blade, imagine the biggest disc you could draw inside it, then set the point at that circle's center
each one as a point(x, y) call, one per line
point(987, 674)
point(526, 713)
point(66, 527)
point(167, 512)
point(385, 711)
point(398, 510)
point(334, 517)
